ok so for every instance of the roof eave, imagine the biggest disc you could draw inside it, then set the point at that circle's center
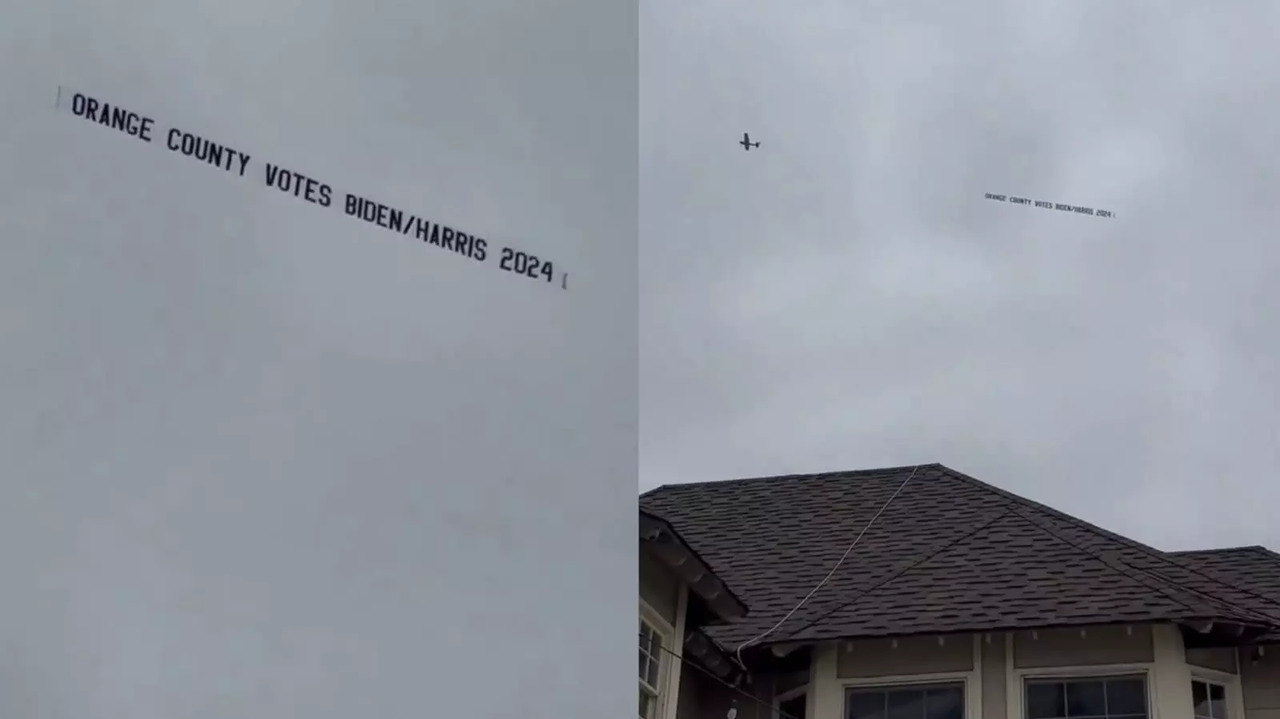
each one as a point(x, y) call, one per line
point(670, 547)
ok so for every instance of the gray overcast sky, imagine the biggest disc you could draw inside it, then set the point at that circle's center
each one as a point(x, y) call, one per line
point(258, 459)
point(844, 297)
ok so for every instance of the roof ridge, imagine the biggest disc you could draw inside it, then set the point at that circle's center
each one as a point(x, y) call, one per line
point(1222, 550)
point(1133, 574)
point(832, 474)
point(1145, 549)
point(1083, 524)
point(818, 613)
point(1169, 590)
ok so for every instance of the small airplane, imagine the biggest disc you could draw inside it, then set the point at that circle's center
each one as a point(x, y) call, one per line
point(746, 142)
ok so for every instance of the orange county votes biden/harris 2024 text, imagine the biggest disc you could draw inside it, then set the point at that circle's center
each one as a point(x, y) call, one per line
point(291, 182)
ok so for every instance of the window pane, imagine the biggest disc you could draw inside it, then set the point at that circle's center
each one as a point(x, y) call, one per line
point(1086, 699)
point(906, 704)
point(944, 703)
point(648, 704)
point(644, 662)
point(1200, 699)
point(652, 676)
point(1127, 696)
point(1046, 701)
point(865, 705)
point(1217, 701)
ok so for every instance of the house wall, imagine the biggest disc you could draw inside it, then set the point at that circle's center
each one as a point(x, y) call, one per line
point(659, 588)
point(702, 697)
point(1083, 647)
point(912, 655)
point(1260, 684)
point(993, 670)
point(995, 666)
point(663, 594)
point(1221, 660)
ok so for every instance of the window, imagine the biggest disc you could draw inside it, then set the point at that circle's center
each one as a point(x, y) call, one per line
point(936, 701)
point(1099, 698)
point(792, 707)
point(1210, 700)
point(651, 660)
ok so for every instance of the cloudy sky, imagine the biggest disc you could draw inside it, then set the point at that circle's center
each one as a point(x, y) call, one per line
point(263, 460)
point(845, 298)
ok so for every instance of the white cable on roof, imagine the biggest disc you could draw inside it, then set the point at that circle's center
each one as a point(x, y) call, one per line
point(830, 574)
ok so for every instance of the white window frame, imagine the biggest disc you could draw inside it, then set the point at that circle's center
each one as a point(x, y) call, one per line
point(790, 694)
point(666, 634)
point(965, 680)
point(1101, 672)
point(971, 679)
point(1230, 682)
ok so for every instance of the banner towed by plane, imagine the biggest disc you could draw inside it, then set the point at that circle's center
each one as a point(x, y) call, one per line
point(1046, 205)
point(304, 187)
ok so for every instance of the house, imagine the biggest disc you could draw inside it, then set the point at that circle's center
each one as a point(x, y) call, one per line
point(960, 601)
point(679, 596)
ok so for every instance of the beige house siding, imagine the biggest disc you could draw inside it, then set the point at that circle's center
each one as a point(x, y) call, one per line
point(1220, 660)
point(996, 665)
point(788, 681)
point(994, 688)
point(913, 655)
point(659, 588)
point(1088, 647)
point(1260, 684)
point(688, 706)
point(702, 697)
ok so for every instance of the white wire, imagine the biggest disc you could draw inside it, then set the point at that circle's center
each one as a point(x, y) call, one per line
point(830, 574)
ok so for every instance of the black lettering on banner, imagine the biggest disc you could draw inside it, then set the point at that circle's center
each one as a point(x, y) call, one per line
point(1106, 213)
point(221, 156)
point(292, 182)
point(421, 229)
point(299, 185)
point(114, 117)
point(525, 264)
point(462, 242)
point(1044, 205)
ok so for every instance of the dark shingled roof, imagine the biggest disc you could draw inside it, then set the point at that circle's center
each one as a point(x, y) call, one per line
point(950, 554)
point(1253, 569)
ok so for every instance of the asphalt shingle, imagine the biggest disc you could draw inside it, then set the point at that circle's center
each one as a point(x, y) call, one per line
point(950, 554)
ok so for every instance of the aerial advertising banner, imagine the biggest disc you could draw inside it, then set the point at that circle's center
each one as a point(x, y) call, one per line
point(236, 162)
point(1047, 205)
point(319, 359)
